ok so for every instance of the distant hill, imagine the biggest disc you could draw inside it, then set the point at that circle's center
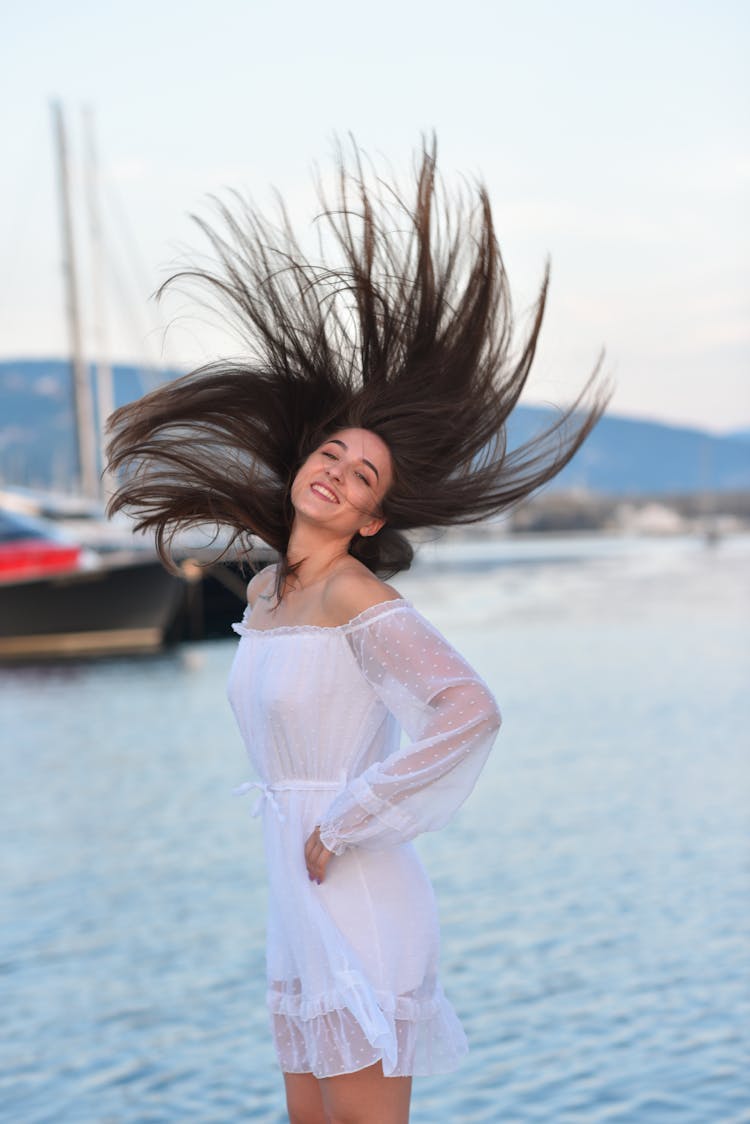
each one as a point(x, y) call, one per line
point(629, 456)
point(622, 456)
point(37, 447)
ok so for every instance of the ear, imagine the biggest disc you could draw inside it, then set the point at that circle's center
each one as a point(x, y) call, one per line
point(371, 528)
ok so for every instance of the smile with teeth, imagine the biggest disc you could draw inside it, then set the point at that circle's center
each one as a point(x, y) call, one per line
point(324, 492)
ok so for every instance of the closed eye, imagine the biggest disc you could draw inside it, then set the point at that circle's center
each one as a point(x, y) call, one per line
point(360, 475)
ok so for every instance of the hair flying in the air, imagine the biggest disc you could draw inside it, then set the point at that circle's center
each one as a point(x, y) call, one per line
point(403, 326)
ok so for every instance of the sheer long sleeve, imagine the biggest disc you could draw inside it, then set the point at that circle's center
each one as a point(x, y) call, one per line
point(445, 709)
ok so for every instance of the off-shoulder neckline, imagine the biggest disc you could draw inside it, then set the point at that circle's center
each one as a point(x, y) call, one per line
point(381, 608)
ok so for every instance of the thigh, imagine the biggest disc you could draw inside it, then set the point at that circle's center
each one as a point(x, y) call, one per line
point(366, 1097)
point(304, 1102)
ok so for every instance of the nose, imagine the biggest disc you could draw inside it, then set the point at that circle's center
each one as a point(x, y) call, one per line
point(333, 469)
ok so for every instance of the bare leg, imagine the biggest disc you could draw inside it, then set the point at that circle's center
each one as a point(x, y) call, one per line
point(366, 1097)
point(304, 1101)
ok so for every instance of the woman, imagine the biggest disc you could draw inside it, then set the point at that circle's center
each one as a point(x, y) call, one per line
point(373, 401)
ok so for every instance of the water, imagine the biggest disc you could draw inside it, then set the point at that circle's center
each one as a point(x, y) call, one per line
point(594, 891)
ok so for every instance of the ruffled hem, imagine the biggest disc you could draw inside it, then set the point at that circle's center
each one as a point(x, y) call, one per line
point(353, 1027)
point(400, 1007)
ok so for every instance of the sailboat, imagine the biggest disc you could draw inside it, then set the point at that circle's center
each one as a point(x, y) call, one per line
point(59, 598)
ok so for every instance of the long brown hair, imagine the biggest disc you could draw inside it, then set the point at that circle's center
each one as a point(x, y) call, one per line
point(408, 332)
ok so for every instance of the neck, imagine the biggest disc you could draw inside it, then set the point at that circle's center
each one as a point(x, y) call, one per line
point(314, 553)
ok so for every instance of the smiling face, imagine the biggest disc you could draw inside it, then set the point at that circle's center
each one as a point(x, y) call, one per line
point(343, 483)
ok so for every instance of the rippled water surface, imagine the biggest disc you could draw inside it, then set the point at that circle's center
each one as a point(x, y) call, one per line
point(594, 891)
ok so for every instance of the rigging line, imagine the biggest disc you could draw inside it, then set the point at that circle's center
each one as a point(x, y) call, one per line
point(141, 274)
point(150, 373)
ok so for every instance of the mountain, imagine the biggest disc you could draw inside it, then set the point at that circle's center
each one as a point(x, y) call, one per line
point(37, 445)
point(622, 456)
point(629, 456)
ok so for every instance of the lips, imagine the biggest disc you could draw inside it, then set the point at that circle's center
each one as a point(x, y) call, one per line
point(324, 492)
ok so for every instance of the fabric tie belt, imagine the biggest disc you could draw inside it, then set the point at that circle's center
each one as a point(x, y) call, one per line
point(268, 792)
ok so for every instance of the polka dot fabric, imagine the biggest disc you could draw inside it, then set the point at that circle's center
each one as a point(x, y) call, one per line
point(352, 963)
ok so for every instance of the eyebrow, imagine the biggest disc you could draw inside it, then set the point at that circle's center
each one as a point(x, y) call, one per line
point(336, 441)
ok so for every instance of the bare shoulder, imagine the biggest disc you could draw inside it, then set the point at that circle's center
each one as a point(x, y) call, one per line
point(352, 590)
point(261, 584)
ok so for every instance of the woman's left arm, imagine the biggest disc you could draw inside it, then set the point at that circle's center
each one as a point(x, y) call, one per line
point(447, 711)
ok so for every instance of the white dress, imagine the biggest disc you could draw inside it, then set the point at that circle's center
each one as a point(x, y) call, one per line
point(352, 963)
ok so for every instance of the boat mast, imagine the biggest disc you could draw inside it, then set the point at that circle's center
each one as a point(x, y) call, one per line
point(84, 405)
point(105, 398)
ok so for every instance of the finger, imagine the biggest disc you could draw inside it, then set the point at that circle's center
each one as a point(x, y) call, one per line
point(316, 865)
point(317, 857)
point(313, 843)
point(311, 854)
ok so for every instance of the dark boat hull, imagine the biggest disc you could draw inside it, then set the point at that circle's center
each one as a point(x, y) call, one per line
point(124, 606)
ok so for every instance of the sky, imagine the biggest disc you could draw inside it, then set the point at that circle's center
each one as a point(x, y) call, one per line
point(613, 139)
